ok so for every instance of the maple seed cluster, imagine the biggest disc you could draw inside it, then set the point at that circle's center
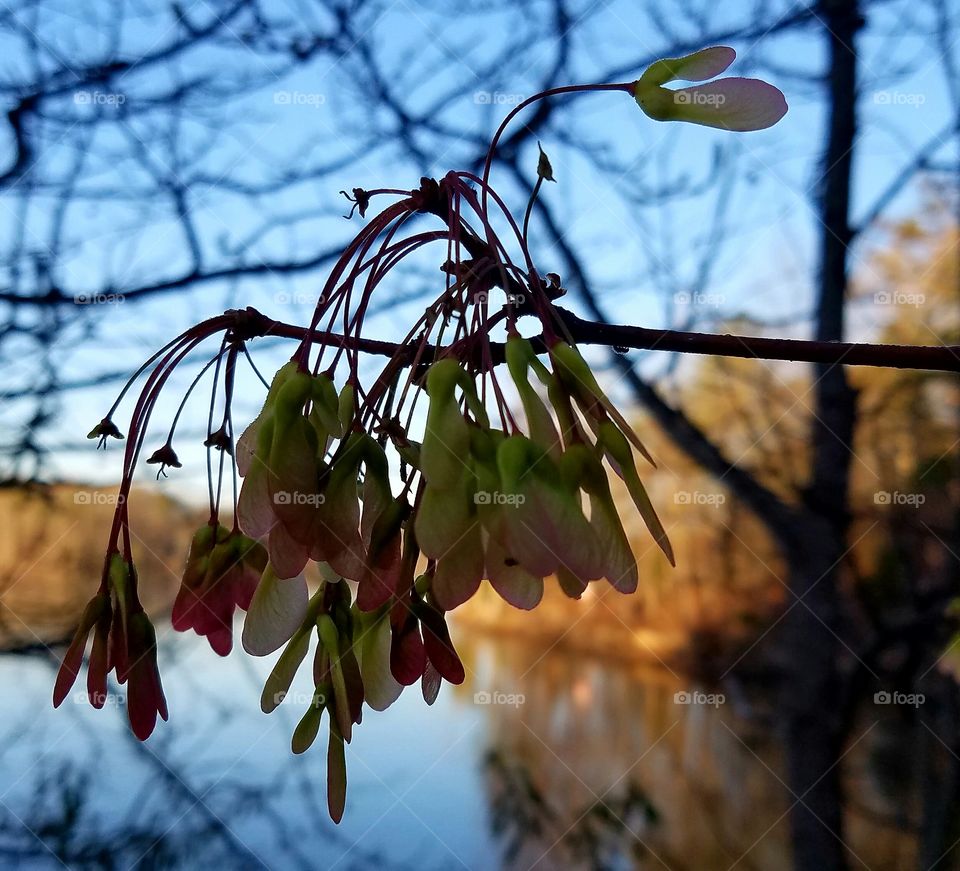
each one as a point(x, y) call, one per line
point(361, 523)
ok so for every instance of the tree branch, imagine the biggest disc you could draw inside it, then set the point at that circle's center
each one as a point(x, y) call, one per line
point(252, 323)
point(945, 358)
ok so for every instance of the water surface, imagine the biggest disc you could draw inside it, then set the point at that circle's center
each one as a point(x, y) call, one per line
point(542, 759)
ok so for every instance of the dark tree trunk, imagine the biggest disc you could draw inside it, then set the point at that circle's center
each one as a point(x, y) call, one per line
point(812, 708)
point(814, 702)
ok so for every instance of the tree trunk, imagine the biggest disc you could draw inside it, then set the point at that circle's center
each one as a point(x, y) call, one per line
point(813, 722)
point(813, 697)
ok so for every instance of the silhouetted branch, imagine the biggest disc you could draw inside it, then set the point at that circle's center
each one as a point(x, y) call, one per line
point(946, 358)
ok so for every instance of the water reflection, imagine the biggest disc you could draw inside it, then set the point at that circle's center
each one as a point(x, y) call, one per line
point(606, 766)
point(543, 759)
point(621, 773)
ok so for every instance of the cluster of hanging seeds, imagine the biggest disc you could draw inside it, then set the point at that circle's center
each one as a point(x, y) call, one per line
point(405, 516)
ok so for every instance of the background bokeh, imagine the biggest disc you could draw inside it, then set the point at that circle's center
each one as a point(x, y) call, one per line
point(783, 698)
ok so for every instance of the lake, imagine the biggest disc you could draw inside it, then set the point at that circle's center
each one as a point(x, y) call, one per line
point(542, 759)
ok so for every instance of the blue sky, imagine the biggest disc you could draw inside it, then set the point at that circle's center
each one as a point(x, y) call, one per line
point(642, 258)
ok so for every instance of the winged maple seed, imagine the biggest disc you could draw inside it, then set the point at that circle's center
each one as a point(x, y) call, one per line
point(405, 522)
